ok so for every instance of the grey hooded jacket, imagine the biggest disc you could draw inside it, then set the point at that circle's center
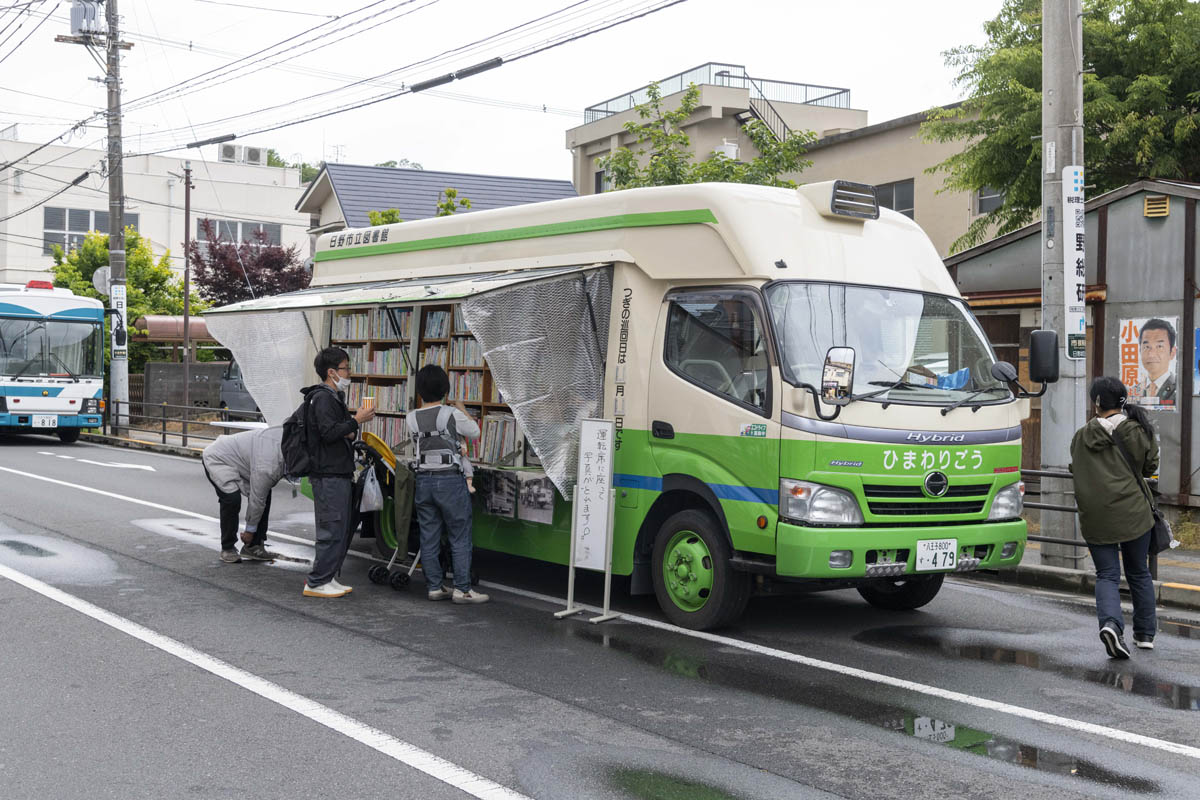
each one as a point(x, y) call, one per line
point(250, 462)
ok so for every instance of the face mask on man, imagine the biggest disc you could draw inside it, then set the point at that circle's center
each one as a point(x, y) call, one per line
point(343, 384)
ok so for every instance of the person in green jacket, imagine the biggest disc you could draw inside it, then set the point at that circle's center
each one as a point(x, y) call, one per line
point(1114, 512)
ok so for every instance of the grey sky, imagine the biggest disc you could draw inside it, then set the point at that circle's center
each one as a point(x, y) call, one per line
point(887, 53)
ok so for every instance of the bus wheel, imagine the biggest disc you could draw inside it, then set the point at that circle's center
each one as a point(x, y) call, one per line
point(697, 587)
point(68, 435)
point(902, 595)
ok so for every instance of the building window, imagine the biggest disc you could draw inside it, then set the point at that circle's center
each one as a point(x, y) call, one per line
point(239, 230)
point(989, 200)
point(600, 182)
point(897, 196)
point(67, 227)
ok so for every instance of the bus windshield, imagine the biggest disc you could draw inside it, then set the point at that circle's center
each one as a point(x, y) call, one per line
point(915, 347)
point(50, 348)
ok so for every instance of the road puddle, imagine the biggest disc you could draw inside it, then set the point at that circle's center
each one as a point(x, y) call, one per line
point(55, 560)
point(1121, 675)
point(745, 676)
point(208, 534)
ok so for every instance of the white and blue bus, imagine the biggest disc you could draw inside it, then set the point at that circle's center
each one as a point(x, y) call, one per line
point(51, 360)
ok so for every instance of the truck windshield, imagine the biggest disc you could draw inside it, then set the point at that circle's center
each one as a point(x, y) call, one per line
point(50, 348)
point(928, 348)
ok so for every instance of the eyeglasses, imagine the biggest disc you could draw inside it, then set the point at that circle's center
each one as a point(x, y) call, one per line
point(343, 369)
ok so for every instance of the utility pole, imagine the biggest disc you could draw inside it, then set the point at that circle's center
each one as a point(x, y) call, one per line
point(119, 362)
point(1064, 407)
point(187, 295)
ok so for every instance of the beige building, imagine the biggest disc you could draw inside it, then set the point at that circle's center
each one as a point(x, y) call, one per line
point(890, 155)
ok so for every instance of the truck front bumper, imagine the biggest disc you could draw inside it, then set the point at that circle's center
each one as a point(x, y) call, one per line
point(803, 552)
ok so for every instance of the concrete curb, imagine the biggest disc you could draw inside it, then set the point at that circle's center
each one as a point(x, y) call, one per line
point(1178, 595)
point(138, 444)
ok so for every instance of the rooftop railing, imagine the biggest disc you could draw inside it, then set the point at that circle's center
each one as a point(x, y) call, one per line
point(732, 75)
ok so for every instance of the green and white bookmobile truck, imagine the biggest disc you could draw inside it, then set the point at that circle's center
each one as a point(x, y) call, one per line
point(800, 394)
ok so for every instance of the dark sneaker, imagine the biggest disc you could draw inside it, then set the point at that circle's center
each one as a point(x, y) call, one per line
point(1114, 643)
point(230, 557)
point(1143, 642)
point(257, 552)
point(469, 598)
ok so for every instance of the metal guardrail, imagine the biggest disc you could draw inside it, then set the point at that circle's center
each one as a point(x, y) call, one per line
point(717, 74)
point(166, 420)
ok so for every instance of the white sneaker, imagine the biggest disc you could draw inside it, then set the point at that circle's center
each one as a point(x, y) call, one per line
point(345, 589)
point(440, 593)
point(324, 590)
point(469, 597)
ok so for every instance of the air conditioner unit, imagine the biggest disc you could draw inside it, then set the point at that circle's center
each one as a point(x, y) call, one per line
point(255, 155)
point(230, 153)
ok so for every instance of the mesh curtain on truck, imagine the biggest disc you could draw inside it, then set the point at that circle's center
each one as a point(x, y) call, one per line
point(546, 342)
point(275, 351)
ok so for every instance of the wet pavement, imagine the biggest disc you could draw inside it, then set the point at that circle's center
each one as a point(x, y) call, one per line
point(548, 708)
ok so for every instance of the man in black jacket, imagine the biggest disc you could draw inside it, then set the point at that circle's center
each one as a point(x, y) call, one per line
point(333, 467)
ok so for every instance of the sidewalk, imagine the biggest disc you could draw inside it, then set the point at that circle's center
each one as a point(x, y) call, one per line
point(152, 441)
point(1178, 581)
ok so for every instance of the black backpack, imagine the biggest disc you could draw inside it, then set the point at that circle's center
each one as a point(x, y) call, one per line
point(298, 460)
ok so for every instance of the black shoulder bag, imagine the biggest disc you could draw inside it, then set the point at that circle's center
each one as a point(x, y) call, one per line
point(1161, 536)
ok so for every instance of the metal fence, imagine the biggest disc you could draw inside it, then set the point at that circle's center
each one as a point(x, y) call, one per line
point(734, 75)
point(171, 424)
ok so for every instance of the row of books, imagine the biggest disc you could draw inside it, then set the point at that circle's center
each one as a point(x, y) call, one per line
point(358, 359)
point(435, 354)
point(460, 324)
point(499, 437)
point(389, 361)
point(465, 352)
point(437, 324)
point(390, 429)
point(372, 324)
point(466, 386)
point(392, 399)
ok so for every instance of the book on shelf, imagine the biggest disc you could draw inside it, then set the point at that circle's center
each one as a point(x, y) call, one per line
point(499, 437)
point(495, 396)
point(390, 429)
point(389, 361)
point(437, 324)
point(460, 324)
point(465, 352)
point(435, 354)
point(372, 324)
point(391, 399)
point(358, 359)
point(466, 386)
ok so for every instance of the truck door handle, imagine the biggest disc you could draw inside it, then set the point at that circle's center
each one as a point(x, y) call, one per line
point(662, 430)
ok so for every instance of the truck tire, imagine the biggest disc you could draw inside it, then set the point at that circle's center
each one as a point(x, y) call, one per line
point(696, 586)
point(68, 435)
point(902, 595)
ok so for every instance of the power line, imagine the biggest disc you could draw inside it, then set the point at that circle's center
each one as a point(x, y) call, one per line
point(47, 199)
point(34, 30)
point(78, 125)
point(264, 8)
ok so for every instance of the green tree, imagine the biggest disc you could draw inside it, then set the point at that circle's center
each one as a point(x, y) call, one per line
point(307, 171)
point(671, 161)
point(388, 217)
point(1141, 93)
point(152, 287)
point(403, 163)
point(449, 202)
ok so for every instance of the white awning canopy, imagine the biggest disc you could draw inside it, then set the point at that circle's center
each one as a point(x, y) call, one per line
point(413, 290)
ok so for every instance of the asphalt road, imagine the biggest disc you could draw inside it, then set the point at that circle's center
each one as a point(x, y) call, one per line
point(160, 672)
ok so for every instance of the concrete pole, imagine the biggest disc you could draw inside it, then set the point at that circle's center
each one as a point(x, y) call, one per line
point(187, 296)
point(1064, 407)
point(119, 363)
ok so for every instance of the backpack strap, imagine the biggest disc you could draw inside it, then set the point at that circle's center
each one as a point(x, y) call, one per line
point(1137, 475)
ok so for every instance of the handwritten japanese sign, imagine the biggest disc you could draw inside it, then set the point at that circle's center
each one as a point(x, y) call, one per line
point(593, 499)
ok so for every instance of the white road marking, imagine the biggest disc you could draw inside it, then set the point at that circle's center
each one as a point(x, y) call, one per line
point(436, 767)
point(114, 464)
point(874, 677)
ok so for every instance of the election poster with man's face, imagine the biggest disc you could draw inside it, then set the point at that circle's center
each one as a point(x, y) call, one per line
point(1148, 350)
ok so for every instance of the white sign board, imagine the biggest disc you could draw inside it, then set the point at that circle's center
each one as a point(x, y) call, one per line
point(594, 498)
point(1074, 263)
point(101, 279)
point(117, 302)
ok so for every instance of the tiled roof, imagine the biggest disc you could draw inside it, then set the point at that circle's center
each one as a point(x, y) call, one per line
point(415, 192)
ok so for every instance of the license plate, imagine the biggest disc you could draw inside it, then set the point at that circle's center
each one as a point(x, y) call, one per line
point(933, 729)
point(937, 554)
point(45, 420)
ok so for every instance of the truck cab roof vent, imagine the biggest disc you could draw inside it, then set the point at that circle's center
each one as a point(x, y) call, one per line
point(856, 200)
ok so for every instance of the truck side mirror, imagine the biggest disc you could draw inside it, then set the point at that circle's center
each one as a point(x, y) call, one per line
point(1043, 357)
point(837, 377)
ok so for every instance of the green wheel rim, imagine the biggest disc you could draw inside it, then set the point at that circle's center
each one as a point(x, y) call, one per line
point(688, 570)
point(387, 523)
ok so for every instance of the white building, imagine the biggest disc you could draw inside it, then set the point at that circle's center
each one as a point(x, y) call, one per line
point(239, 197)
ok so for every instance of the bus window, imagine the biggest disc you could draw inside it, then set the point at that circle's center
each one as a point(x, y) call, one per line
point(719, 344)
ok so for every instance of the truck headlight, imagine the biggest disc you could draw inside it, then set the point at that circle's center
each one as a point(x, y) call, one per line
point(91, 406)
point(1009, 503)
point(814, 502)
